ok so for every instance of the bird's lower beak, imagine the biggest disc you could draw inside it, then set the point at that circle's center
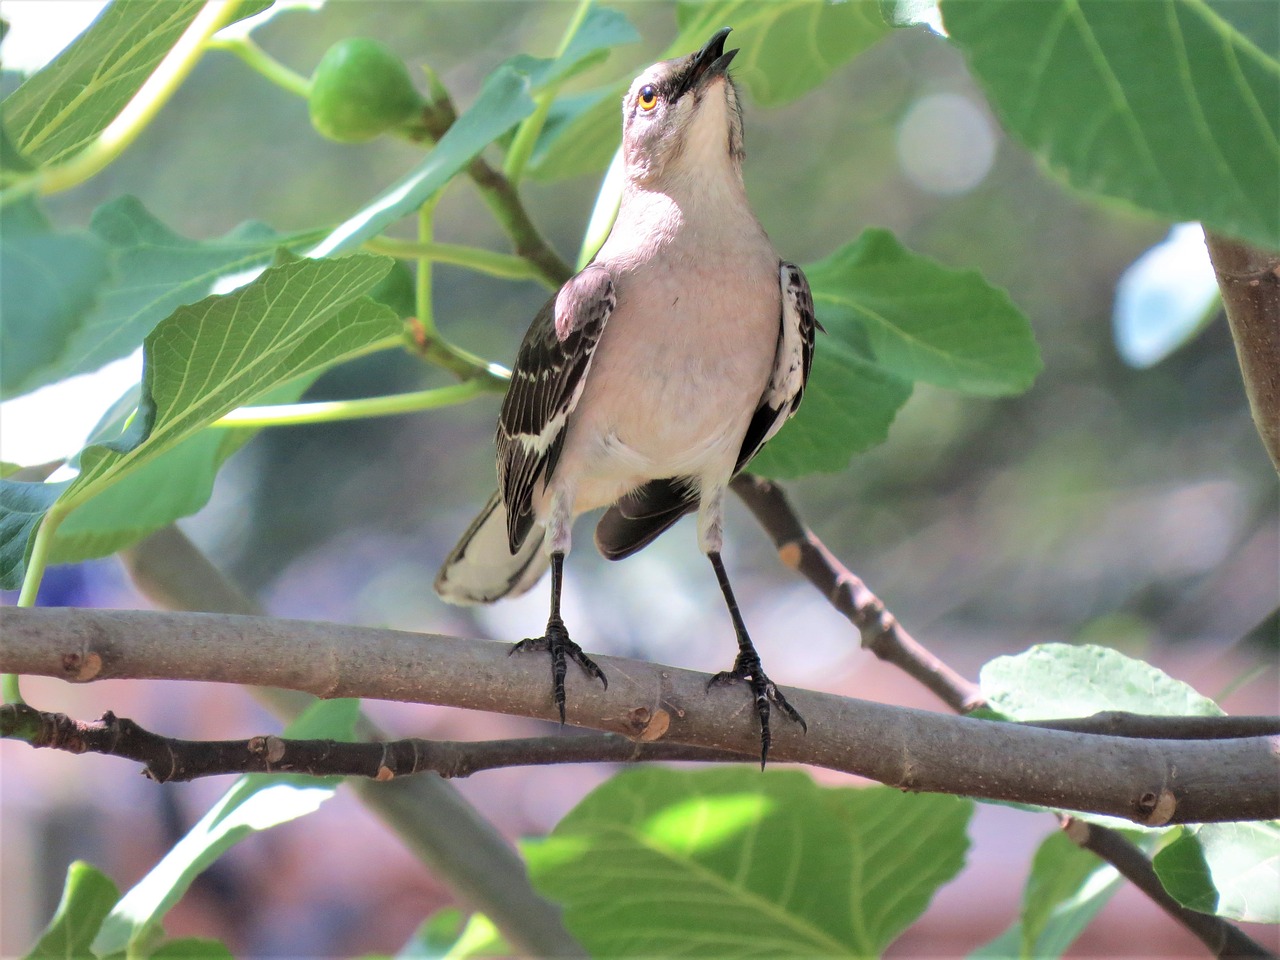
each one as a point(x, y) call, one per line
point(711, 61)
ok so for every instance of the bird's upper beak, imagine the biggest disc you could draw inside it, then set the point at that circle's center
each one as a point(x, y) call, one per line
point(709, 62)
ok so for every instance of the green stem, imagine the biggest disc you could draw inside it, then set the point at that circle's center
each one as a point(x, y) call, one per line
point(265, 64)
point(293, 414)
point(9, 683)
point(530, 129)
point(422, 284)
point(137, 113)
point(504, 265)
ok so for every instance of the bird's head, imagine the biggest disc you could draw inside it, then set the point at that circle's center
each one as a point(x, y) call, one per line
point(681, 117)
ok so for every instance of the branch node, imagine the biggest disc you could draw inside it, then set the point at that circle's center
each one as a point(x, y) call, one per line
point(81, 668)
point(790, 554)
point(1157, 809)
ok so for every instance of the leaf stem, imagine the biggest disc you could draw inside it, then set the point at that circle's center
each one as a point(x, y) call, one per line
point(504, 265)
point(262, 62)
point(9, 683)
point(422, 282)
point(330, 411)
point(527, 133)
point(137, 113)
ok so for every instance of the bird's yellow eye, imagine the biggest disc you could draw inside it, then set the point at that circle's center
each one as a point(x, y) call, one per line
point(647, 98)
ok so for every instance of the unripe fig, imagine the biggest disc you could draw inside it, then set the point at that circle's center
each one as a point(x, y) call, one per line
point(359, 90)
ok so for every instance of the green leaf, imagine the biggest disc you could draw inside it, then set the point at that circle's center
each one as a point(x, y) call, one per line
point(62, 107)
point(51, 280)
point(445, 935)
point(732, 862)
point(925, 321)
point(848, 407)
point(255, 802)
point(192, 948)
point(1229, 869)
point(1056, 680)
point(209, 358)
point(1066, 888)
point(22, 506)
point(87, 897)
point(787, 48)
point(147, 272)
point(1189, 130)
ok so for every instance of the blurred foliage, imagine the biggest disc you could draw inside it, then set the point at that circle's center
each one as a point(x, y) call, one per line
point(1103, 495)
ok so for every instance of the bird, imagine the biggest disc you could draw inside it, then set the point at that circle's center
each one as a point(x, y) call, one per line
point(653, 376)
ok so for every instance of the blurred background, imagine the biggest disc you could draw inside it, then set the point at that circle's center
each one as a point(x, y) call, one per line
point(1110, 504)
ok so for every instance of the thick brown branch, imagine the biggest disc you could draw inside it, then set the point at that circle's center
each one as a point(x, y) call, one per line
point(882, 634)
point(1221, 937)
point(1150, 781)
point(1249, 279)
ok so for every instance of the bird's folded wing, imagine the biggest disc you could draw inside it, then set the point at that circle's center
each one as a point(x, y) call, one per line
point(550, 371)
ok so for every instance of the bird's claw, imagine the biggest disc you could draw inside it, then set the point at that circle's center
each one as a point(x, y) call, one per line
point(556, 642)
point(747, 669)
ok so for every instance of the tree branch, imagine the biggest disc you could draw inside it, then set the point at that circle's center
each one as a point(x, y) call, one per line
point(502, 198)
point(429, 814)
point(882, 634)
point(1249, 279)
point(167, 759)
point(1153, 782)
point(1119, 723)
point(1220, 936)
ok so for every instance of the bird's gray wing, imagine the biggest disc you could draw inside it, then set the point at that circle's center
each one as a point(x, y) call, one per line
point(645, 513)
point(547, 380)
point(791, 364)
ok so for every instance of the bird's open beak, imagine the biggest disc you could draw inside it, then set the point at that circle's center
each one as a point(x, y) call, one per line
point(711, 61)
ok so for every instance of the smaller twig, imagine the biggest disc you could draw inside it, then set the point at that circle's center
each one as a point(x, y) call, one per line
point(502, 198)
point(882, 634)
point(168, 759)
point(1118, 723)
point(1220, 936)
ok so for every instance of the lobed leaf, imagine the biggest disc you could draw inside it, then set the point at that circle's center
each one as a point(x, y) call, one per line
point(732, 862)
point(1188, 130)
point(204, 361)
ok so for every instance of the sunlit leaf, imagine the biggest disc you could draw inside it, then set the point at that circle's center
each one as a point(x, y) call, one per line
point(731, 862)
point(1229, 869)
point(62, 107)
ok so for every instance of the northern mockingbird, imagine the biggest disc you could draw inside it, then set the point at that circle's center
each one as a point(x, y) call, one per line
point(654, 375)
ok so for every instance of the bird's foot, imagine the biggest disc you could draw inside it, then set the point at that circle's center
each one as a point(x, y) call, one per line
point(747, 669)
point(556, 642)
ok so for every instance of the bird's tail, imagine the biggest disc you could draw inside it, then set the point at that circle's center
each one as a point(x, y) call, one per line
point(482, 569)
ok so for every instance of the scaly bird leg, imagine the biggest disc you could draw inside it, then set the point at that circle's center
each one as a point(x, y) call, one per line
point(556, 642)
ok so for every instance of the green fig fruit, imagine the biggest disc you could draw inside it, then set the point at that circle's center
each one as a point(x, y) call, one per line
point(359, 90)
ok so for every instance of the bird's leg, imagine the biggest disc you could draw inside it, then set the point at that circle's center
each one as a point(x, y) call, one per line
point(556, 641)
point(747, 667)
